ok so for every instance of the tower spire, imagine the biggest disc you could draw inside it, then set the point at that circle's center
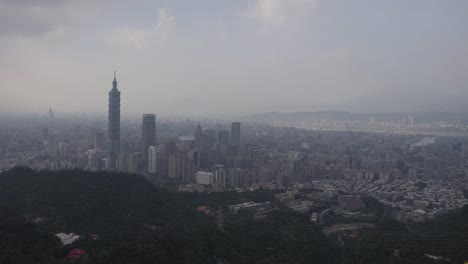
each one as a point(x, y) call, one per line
point(114, 83)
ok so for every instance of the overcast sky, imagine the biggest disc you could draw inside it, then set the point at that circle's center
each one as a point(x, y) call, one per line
point(228, 57)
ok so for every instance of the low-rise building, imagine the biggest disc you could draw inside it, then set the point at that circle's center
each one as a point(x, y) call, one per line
point(350, 202)
point(249, 207)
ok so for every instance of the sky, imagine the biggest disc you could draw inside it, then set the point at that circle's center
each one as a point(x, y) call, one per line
point(223, 57)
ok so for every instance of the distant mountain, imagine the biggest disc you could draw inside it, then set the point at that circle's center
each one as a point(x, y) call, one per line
point(343, 115)
point(300, 115)
point(436, 100)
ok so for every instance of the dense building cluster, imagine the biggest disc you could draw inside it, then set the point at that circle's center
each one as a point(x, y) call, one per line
point(416, 176)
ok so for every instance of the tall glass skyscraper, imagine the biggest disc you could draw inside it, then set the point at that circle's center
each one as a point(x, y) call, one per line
point(114, 123)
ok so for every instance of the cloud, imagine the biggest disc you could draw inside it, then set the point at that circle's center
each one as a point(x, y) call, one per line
point(37, 18)
point(277, 12)
point(50, 3)
point(128, 38)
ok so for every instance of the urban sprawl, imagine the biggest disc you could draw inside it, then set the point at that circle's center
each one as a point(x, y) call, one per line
point(417, 176)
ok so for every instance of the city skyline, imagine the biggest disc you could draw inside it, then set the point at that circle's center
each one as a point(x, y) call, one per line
point(246, 131)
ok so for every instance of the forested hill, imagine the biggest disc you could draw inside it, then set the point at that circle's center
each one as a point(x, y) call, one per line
point(122, 218)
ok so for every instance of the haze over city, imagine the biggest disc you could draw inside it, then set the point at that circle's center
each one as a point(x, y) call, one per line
point(232, 58)
point(236, 131)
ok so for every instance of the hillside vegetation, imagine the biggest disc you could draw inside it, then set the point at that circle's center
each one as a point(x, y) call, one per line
point(122, 218)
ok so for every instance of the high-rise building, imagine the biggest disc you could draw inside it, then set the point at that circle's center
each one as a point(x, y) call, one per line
point(133, 162)
point(223, 137)
point(211, 133)
point(176, 163)
point(219, 175)
point(189, 172)
point(235, 133)
point(99, 140)
point(198, 135)
point(296, 169)
point(162, 166)
point(233, 178)
point(152, 159)
point(204, 144)
point(122, 164)
point(181, 167)
point(114, 123)
point(223, 141)
point(169, 147)
point(148, 134)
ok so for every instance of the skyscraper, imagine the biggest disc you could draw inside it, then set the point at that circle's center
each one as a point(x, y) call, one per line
point(235, 133)
point(152, 159)
point(99, 140)
point(198, 135)
point(148, 134)
point(114, 123)
point(181, 167)
point(223, 137)
point(223, 141)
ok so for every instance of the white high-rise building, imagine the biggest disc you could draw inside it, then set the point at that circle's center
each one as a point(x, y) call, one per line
point(219, 175)
point(152, 154)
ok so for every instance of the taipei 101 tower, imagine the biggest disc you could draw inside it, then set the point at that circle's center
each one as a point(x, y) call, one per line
point(114, 123)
